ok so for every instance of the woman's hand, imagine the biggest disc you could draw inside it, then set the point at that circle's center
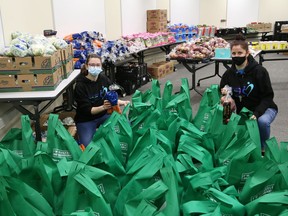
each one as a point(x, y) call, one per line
point(106, 105)
point(232, 102)
point(253, 117)
point(123, 103)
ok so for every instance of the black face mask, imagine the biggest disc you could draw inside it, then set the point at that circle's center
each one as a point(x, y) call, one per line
point(239, 60)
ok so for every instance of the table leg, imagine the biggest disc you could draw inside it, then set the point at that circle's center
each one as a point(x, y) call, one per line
point(37, 123)
point(215, 74)
point(192, 70)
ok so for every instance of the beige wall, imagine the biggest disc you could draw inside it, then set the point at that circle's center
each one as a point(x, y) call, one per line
point(271, 11)
point(211, 12)
point(164, 4)
point(31, 16)
point(113, 19)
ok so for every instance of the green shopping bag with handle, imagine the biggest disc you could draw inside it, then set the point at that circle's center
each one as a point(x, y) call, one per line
point(275, 203)
point(83, 190)
point(60, 143)
point(210, 98)
point(21, 141)
point(151, 195)
point(99, 154)
point(266, 179)
point(41, 173)
point(228, 205)
point(10, 163)
point(118, 134)
point(196, 184)
point(22, 199)
point(146, 176)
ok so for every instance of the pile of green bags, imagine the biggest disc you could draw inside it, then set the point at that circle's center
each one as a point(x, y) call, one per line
point(156, 158)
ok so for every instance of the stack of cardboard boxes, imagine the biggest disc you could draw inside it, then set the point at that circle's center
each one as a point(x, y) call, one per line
point(156, 21)
point(42, 73)
point(260, 27)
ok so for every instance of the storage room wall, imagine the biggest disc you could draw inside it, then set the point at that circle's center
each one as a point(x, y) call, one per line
point(212, 12)
point(271, 11)
point(184, 11)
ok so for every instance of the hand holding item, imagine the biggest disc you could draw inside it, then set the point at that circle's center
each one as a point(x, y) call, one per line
point(112, 98)
point(228, 103)
point(253, 117)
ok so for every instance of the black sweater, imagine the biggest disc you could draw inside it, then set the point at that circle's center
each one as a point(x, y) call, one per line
point(88, 94)
point(252, 90)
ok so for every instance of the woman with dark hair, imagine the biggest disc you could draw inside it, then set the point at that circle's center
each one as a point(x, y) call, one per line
point(90, 89)
point(251, 87)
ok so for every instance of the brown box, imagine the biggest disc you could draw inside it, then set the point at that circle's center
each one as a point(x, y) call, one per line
point(7, 81)
point(157, 15)
point(157, 70)
point(27, 64)
point(44, 121)
point(156, 26)
point(67, 53)
point(68, 67)
point(267, 27)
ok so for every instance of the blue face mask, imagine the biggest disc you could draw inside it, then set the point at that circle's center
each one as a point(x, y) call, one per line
point(94, 71)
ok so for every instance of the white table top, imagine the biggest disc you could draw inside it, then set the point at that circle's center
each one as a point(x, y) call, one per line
point(39, 95)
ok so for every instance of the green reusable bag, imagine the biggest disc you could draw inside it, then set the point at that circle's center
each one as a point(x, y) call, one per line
point(99, 154)
point(118, 134)
point(265, 180)
point(181, 102)
point(41, 173)
point(145, 177)
point(24, 200)
point(10, 163)
point(5, 205)
point(274, 203)
point(196, 184)
point(199, 156)
point(81, 192)
point(60, 143)
point(210, 98)
point(276, 152)
point(152, 195)
point(21, 141)
point(228, 204)
point(239, 170)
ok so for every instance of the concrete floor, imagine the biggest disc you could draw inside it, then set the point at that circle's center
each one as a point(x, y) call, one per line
point(278, 71)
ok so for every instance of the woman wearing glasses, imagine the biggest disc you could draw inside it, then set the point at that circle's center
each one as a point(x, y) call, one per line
point(91, 86)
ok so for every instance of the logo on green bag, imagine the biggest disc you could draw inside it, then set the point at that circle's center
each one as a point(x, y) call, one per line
point(101, 188)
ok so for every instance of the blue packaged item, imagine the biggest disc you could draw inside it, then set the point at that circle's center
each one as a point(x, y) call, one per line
point(112, 97)
point(76, 36)
point(77, 65)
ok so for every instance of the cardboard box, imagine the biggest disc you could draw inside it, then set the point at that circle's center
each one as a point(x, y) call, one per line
point(62, 116)
point(27, 64)
point(157, 15)
point(31, 82)
point(66, 53)
point(7, 81)
point(160, 69)
point(156, 26)
point(68, 67)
